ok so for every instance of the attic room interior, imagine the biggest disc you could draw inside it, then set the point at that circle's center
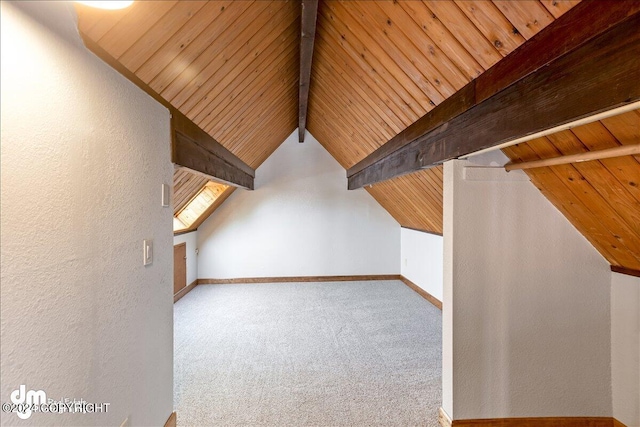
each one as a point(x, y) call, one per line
point(320, 213)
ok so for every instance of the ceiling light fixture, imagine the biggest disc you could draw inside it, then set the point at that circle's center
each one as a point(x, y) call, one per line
point(108, 4)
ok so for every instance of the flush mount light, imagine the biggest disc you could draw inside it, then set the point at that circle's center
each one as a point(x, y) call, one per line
point(108, 4)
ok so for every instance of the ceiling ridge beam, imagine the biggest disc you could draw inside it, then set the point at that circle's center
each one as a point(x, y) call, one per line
point(191, 147)
point(560, 75)
point(308, 20)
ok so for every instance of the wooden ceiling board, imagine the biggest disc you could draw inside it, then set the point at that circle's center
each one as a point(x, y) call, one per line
point(186, 185)
point(232, 68)
point(600, 198)
point(379, 66)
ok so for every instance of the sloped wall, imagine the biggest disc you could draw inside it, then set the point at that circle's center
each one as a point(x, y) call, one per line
point(84, 154)
point(300, 221)
point(526, 310)
point(421, 260)
point(625, 348)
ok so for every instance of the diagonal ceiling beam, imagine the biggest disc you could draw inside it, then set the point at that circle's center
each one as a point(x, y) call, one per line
point(308, 35)
point(191, 147)
point(584, 63)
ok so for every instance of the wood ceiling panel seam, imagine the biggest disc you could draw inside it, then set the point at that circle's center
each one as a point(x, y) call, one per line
point(177, 75)
point(626, 168)
point(425, 203)
point(256, 110)
point(553, 189)
point(528, 17)
point(599, 230)
point(251, 56)
point(131, 27)
point(140, 51)
point(344, 70)
point(431, 178)
point(380, 76)
point(425, 192)
point(599, 179)
point(266, 151)
point(625, 128)
point(465, 31)
point(452, 61)
point(247, 106)
point(356, 134)
point(557, 8)
point(236, 142)
point(283, 100)
point(351, 58)
point(398, 202)
point(274, 63)
point(345, 108)
point(492, 23)
point(253, 75)
point(379, 60)
point(242, 40)
point(609, 166)
point(382, 201)
point(432, 83)
point(468, 65)
point(327, 82)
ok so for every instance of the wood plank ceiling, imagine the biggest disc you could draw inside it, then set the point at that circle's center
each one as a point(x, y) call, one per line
point(232, 68)
point(600, 198)
point(229, 66)
point(379, 66)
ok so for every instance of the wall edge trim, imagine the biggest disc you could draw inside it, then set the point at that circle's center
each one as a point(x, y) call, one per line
point(424, 294)
point(248, 280)
point(532, 422)
point(182, 292)
point(422, 231)
point(172, 421)
point(625, 270)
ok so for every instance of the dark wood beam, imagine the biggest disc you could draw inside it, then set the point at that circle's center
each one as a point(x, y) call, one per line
point(582, 64)
point(624, 270)
point(195, 149)
point(191, 147)
point(308, 35)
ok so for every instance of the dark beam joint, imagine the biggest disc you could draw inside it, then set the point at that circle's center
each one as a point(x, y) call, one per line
point(195, 149)
point(308, 32)
point(191, 147)
point(583, 64)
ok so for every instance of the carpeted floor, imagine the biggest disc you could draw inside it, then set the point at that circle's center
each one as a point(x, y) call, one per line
point(307, 354)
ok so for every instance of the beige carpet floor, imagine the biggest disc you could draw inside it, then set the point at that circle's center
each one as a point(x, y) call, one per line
point(307, 354)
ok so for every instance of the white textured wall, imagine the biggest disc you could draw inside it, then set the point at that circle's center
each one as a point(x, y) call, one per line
point(300, 221)
point(421, 260)
point(526, 304)
point(191, 239)
point(625, 348)
point(84, 153)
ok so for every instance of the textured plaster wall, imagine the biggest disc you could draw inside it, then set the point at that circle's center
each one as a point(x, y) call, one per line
point(300, 221)
point(625, 348)
point(421, 260)
point(526, 304)
point(84, 153)
point(191, 239)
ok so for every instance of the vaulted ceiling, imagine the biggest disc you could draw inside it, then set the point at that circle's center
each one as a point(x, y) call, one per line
point(232, 68)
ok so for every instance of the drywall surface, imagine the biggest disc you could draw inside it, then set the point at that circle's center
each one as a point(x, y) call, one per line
point(625, 348)
point(299, 221)
point(526, 303)
point(421, 260)
point(84, 153)
point(191, 239)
